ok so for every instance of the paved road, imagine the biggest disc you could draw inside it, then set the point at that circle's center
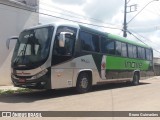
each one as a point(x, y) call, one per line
point(111, 97)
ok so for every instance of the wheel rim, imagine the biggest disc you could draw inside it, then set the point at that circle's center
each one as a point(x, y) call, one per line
point(84, 83)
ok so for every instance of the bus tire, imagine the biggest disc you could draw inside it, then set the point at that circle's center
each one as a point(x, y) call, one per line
point(83, 83)
point(135, 79)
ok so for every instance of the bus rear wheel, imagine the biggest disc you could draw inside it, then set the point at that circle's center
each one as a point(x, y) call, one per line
point(135, 79)
point(83, 83)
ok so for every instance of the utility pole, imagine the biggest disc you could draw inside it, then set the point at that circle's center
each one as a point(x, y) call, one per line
point(132, 8)
point(125, 23)
point(125, 15)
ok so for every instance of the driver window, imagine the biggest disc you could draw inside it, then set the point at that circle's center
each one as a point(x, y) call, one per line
point(69, 41)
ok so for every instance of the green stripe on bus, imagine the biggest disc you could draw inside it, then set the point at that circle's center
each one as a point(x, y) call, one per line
point(119, 63)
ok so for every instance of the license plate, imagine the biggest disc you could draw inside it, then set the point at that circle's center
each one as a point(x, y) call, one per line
point(22, 80)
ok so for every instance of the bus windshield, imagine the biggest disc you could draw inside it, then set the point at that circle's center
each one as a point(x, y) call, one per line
point(32, 48)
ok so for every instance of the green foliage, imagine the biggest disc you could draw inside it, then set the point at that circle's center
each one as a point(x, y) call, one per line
point(19, 90)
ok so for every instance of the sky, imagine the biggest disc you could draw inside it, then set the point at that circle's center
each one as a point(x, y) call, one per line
point(110, 15)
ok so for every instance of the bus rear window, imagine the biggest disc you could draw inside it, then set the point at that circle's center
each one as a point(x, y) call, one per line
point(148, 54)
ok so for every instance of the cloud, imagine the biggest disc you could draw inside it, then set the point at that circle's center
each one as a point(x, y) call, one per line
point(69, 2)
point(146, 26)
point(112, 12)
point(102, 9)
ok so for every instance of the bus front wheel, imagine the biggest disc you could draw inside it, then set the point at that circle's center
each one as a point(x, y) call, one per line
point(83, 83)
point(135, 79)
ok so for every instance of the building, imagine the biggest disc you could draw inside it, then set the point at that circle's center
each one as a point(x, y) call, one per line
point(156, 66)
point(15, 16)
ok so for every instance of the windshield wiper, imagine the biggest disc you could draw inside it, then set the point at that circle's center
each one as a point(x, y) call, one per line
point(18, 56)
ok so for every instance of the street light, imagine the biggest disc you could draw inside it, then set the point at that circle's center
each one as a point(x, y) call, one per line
point(125, 23)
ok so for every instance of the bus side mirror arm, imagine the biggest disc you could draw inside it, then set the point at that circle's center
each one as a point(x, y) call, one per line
point(62, 38)
point(9, 39)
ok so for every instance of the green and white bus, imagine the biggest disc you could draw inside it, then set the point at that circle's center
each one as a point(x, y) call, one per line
point(64, 55)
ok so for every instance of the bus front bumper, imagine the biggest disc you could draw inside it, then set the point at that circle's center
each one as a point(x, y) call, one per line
point(40, 83)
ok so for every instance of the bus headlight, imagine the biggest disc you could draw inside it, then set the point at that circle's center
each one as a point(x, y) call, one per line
point(40, 74)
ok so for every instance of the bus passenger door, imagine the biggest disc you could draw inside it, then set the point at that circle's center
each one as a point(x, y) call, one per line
point(61, 75)
point(62, 70)
point(62, 55)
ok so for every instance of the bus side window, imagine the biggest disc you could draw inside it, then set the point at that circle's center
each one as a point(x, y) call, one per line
point(130, 51)
point(139, 52)
point(95, 40)
point(134, 51)
point(89, 42)
point(124, 49)
point(110, 47)
point(143, 53)
point(103, 45)
point(118, 48)
point(86, 41)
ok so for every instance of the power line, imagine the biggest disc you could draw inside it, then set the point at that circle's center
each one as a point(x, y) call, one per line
point(137, 38)
point(156, 13)
point(82, 16)
point(59, 13)
point(74, 21)
point(62, 18)
point(142, 36)
point(65, 14)
point(142, 41)
point(156, 10)
point(145, 43)
point(154, 27)
point(141, 11)
point(148, 40)
point(64, 10)
point(128, 1)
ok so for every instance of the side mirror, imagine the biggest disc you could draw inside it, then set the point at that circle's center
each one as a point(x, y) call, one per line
point(9, 39)
point(62, 38)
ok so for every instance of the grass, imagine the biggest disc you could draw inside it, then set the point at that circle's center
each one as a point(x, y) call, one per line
point(19, 90)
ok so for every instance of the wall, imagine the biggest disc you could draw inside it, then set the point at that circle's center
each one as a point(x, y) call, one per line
point(157, 69)
point(12, 22)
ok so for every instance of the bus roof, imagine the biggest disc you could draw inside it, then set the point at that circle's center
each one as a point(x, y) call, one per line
point(115, 37)
point(55, 24)
point(122, 39)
